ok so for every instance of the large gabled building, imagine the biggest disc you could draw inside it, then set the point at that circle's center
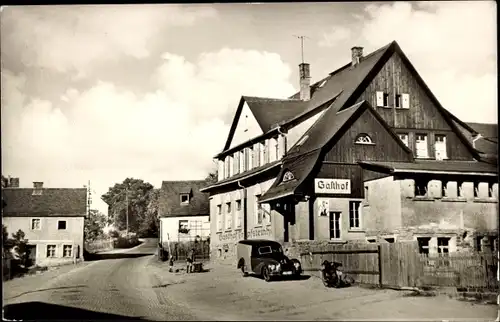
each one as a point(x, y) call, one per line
point(365, 154)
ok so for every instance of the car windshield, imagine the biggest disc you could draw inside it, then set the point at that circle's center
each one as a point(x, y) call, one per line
point(270, 250)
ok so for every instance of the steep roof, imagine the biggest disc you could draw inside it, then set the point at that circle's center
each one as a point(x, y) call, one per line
point(64, 202)
point(267, 111)
point(352, 80)
point(170, 200)
point(301, 164)
point(270, 111)
point(422, 166)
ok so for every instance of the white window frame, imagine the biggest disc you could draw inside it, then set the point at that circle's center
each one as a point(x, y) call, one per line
point(441, 249)
point(229, 216)
point(440, 148)
point(49, 249)
point(405, 101)
point(39, 225)
point(184, 195)
point(332, 213)
point(404, 137)
point(288, 176)
point(364, 138)
point(262, 153)
point(236, 163)
point(266, 214)
point(382, 99)
point(239, 213)
point(70, 253)
point(219, 217)
point(355, 214)
point(259, 218)
point(242, 161)
point(419, 144)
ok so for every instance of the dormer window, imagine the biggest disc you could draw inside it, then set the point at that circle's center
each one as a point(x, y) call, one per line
point(363, 139)
point(184, 198)
point(322, 83)
point(288, 176)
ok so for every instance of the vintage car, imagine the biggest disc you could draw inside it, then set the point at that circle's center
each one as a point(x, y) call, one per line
point(266, 259)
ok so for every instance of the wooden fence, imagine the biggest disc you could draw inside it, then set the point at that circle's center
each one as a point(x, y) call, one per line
point(361, 261)
point(401, 265)
point(180, 250)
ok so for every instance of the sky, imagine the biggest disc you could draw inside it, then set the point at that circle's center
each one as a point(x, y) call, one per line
point(103, 93)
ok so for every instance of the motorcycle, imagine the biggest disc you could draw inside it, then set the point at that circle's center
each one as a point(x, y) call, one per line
point(332, 276)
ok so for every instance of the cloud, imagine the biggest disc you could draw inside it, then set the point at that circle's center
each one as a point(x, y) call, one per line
point(334, 36)
point(451, 44)
point(71, 38)
point(105, 133)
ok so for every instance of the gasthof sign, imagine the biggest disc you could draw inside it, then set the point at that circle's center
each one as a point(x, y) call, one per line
point(340, 186)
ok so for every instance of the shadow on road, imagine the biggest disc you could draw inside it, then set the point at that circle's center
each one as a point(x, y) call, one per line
point(96, 257)
point(37, 311)
point(284, 278)
point(46, 289)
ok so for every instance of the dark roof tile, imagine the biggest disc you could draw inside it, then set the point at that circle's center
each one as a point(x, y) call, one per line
point(170, 201)
point(21, 202)
point(434, 166)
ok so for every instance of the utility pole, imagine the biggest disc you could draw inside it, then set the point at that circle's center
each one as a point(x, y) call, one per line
point(126, 198)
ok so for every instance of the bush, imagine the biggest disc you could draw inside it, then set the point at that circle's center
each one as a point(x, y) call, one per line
point(113, 234)
point(123, 242)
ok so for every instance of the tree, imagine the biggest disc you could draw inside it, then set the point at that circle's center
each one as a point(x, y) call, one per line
point(139, 196)
point(15, 247)
point(151, 223)
point(94, 225)
point(212, 177)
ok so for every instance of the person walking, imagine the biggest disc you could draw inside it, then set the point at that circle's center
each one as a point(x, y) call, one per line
point(190, 260)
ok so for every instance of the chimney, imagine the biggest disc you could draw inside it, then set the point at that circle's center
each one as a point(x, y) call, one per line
point(38, 185)
point(305, 82)
point(14, 183)
point(357, 55)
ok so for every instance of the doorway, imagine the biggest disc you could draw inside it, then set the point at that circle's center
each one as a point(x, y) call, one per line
point(31, 259)
point(288, 219)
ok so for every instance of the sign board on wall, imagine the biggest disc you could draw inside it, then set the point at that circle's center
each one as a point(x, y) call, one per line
point(333, 186)
point(324, 206)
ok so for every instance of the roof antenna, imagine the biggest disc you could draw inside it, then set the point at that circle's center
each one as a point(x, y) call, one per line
point(302, 45)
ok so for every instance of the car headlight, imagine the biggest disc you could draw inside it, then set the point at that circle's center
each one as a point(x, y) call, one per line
point(272, 266)
point(296, 264)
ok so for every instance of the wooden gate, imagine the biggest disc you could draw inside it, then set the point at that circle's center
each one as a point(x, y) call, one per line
point(401, 265)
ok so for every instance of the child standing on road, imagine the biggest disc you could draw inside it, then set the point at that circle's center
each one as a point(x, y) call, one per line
point(190, 260)
point(171, 264)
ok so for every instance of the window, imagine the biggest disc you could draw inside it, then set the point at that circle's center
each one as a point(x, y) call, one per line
point(444, 188)
point(335, 225)
point(183, 225)
point(443, 245)
point(256, 155)
point(421, 145)
point(371, 240)
point(51, 250)
point(61, 224)
point(236, 163)
point(423, 245)
point(266, 213)
point(389, 240)
point(397, 101)
point(231, 166)
point(404, 137)
point(248, 158)
point(67, 251)
point(219, 217)
point(288, 176)
point(322, 83)
point(476, 189)
point(227, 166)
point(363, 139)
point(241, 158)
point(277, 148)
point(239, 215)
point(229, 217)
point(262, 152)
point(366, 193)
point(272, 150)
point(490, 189)
point(460, 191)
point(354, 210)
point(382, 99)
point(258, 211)
point(35, 224)
point(440, 147)
point(184, 198)
point(421, 188)
point(266, 151)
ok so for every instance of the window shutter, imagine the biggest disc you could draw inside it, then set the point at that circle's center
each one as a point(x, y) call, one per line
point(405, 101)
point(380, 98)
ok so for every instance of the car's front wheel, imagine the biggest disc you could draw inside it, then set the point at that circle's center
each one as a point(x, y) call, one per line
point(265, 274)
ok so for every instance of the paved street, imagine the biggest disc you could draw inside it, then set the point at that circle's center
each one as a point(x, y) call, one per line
point(136, 286)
